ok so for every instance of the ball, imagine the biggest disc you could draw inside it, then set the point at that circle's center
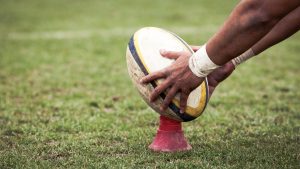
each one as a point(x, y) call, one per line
point(143, 57)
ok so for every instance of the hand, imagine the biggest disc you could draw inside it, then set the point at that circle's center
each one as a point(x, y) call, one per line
point(178, 77)
point(218, 75)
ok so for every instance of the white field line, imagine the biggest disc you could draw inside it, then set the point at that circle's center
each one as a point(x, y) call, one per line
point(107, 33)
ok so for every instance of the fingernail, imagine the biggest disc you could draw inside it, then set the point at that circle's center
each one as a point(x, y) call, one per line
point(181, 111)
point(141, 81)
point(162, 51)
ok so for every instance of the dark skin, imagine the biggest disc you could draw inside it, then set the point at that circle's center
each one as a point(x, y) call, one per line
point(285, 28)
point(214, 78)
point(250, 21)
point(217, 76)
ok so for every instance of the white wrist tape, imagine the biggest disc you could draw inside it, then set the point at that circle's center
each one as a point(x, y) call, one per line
point(243, 57)
point(200, 64)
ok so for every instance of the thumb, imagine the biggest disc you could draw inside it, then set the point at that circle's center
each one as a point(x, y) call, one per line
point(169, 54)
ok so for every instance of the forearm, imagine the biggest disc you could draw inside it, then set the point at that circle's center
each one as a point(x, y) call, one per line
point(248, 23)
point(285, 28)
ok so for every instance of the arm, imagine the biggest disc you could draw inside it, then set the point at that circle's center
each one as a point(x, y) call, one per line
point(286, 27)
point(248, 23)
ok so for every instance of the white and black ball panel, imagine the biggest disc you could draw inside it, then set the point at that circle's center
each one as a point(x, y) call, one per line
point(143, 57)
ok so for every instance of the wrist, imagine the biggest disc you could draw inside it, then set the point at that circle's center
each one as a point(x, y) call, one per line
point(200, 63)
point(243, 57)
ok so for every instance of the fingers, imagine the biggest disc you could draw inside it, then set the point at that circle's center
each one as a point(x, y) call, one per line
point(171, 94)
point(195, 48)
point(169, 54)
point(159, 89)
point(153, 76)
point(183, 101)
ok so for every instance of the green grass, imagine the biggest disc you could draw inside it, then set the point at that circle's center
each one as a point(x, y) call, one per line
point(66, 99)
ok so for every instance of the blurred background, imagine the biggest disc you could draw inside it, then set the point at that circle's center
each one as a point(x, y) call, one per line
point(66, 99)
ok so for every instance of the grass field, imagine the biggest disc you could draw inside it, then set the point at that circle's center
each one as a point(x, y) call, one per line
point(66, 100)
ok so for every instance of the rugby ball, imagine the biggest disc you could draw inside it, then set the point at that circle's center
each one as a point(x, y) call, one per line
point(143, 57)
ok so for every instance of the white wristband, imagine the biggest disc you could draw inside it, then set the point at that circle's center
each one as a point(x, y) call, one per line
point(243, 57)
point(200, 64)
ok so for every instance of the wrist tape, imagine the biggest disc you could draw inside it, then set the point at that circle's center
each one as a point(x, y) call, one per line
point(200, 64)
point(243, 57)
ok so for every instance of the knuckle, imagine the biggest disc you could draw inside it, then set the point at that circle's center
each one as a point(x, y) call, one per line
point(147, 78)
point(155, 91)
point(170, 80)
point(167, 83)
point(173, 77)
point(156, 75)
point(166, 72)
